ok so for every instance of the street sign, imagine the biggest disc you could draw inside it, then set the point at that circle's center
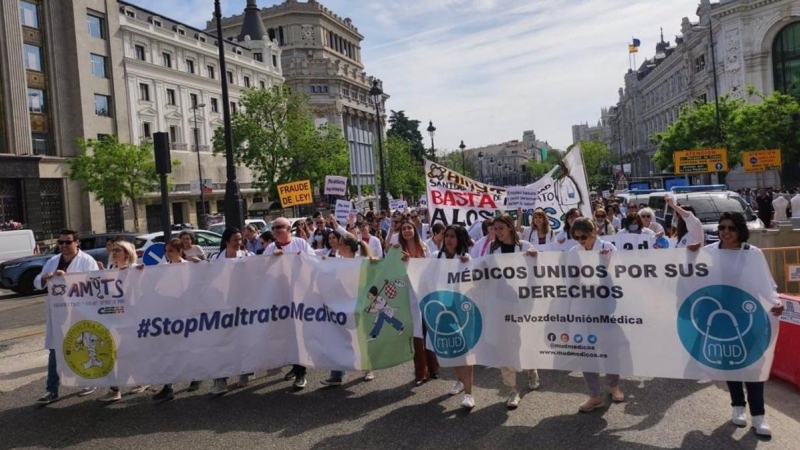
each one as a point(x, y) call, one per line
point(701, 161)
point(154, 255)
point(295, 193)
point(761, 160)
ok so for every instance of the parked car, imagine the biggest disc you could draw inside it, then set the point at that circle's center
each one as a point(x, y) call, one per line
point(18, 274)
point(16, 244)
point(292, 221)
point(638, 196)
point(220, 227)
point(709, 202)
point(207, 240)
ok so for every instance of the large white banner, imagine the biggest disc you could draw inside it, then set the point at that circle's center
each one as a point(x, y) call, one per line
point(196, 321)
point(701, 315)
point(454, 198)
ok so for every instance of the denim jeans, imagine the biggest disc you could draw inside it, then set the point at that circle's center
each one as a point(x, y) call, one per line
point(382, 318)
point(755, 395)
point(53, 381)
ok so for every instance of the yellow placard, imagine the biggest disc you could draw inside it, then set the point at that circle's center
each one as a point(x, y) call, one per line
point(705, 160)
point(295, 193)
point(761, 160)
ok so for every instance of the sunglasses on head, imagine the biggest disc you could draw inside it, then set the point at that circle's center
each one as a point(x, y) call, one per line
point(60, 242)
point(728, 227)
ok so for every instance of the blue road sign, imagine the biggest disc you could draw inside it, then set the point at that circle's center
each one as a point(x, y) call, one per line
point(154, 254)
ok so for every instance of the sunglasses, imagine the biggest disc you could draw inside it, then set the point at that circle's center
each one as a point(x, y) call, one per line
point(646, 216)
point(600, 216)
point(729, 228)
point(280, 227)
point(60, 242)
point(580, 238)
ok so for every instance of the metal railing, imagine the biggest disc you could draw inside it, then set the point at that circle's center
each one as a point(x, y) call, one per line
point(779, 260)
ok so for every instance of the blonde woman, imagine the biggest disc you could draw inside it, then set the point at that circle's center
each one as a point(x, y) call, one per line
point(539, 234)
point(123, 256)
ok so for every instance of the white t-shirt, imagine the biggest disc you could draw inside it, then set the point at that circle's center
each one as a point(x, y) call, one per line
point(374, 245)
point(221, 255)
point(695, 233)
point(296, 245)
point(656, 227)
point(779, 205)
point(774, 299)
point(796, 206)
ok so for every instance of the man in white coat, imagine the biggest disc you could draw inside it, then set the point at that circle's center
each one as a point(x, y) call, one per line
point(69, 260)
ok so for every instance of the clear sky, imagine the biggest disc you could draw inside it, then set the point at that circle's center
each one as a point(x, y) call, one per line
point(486, 70)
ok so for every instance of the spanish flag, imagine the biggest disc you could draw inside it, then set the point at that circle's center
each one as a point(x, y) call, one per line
point(634, 48)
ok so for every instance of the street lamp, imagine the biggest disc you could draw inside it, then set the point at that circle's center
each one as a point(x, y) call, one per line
point(491, 170)
point(432, 132)
point(480, 161)
point(377, 95)
point(714, 72)
point(234, 215)
point(199, 167)
point(463, 157)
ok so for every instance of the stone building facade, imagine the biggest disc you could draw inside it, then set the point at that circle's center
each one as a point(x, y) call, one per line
point(503, 164)
point(321, 54)
point(754, 44)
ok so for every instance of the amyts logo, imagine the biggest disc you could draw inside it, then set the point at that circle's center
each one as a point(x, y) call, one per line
point(93, 287)
point(454, 323)
point(89, 349)
point(724, 327)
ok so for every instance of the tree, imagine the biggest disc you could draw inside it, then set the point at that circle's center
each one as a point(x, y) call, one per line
point(538, 169)
point(275, 137)
point(115, 170)
point(598, 162)
point(404, 175)
point(408, 130)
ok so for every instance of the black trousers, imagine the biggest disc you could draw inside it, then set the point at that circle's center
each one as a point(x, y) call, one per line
point(755, 395)
point(300, 371)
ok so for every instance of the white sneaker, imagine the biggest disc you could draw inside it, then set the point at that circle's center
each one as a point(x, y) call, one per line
point(533, 379)
point(739, 418)
point(456, 389)
point(468, 402)
point(220, 386)
point(513, 401)
point(369, 375)
point(761, 426)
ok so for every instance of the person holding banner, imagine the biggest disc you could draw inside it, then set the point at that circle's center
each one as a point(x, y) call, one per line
point(285, 243)
point(689, 230)
point(191, 251)
point(349, 246)
point(539, 234)
point(507, 241)
point(265, 239)
point(456, 245)
point(733, 235)
point(426, 366)
point(69, 260)
point(585, 232)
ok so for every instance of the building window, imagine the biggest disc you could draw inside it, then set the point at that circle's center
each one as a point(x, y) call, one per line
point(274, 60)
point(786, 60)
point(140, 54)
point(258, 57)
point(233, 107)
point(96, 26)
point(193, 100)
point(157, 23)
point(102, 105)
point(98, 65)
point(263, 84)
point(181, 32)
point(29, 14)
point(214, 105)
point(173, 134)
point(41, 144)
point(130, 13)
point(33, 58)
point(230, 77)
point(147, 130)
point(247, 82)
point(35, 100)
point(700, 64)
point(171, 97)
point(144, 92)
point(166, 59)
point(211, 72)
point(190, 66)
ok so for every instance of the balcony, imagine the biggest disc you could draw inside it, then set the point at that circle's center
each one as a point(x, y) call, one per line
point(179, 146)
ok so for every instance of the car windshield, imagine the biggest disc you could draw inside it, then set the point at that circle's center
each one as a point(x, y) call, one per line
point(708, 209)
point(139, 242)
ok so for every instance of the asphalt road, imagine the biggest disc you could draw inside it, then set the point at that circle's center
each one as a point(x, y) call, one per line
point(386, 413)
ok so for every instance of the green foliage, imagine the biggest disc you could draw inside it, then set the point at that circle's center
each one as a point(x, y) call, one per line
point(113, 170)
point(408, 130)
point(404, 174)
point(275, 137)
point(455, 161)
point(538, 169)
point(772, 123)
point(598, 161)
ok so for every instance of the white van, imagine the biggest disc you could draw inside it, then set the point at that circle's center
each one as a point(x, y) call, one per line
point(16, 244)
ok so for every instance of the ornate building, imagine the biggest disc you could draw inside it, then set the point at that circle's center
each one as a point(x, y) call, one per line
point(321, 56)
point(755, 43)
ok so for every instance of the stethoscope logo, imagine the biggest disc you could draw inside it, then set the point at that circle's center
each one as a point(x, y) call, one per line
point(453, 322)
point(724, 327)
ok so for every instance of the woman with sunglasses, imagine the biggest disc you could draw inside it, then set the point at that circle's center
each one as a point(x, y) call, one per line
point(689, 230)
point(601, 222)
point(230, 248)
point(614, 215)
point(349, 246)
point(634, 225)
point(123, 256)
point(539, 234)
point(733, 235)
point(584, 231)
point(426, 366)
point(455, 244)
point(507, 241)
point(647, 216)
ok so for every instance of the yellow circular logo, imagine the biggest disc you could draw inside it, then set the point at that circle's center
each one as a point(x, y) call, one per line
point(89, 349)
